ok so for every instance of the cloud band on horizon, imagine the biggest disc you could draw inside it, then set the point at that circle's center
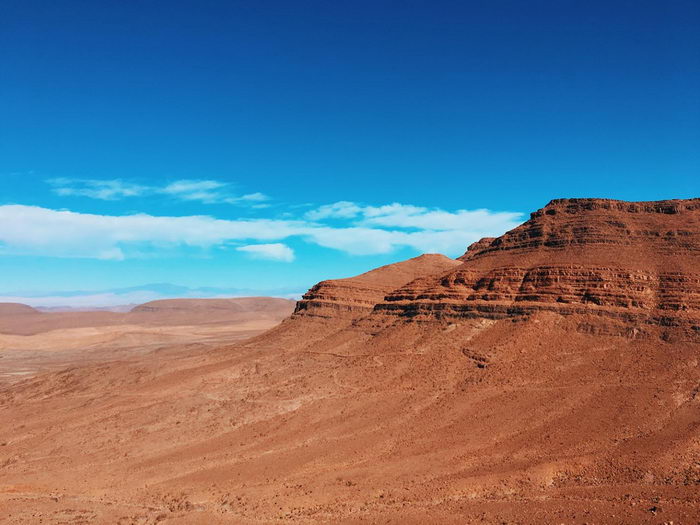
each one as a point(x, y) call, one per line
point(344, 226)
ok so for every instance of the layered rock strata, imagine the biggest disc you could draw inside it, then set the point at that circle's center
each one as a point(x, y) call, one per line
point(636, 262)
point(356, 296)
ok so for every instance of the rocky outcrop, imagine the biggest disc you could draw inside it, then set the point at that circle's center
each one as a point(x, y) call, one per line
point(356, 296)
point(476, 247)
point(638, 262)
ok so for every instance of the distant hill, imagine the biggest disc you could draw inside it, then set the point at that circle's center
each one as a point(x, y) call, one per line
point(16, 309)
point(237, 304)
point(21, 319)
point(118, 308)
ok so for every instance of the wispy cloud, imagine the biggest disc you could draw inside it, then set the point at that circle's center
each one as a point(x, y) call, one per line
point(97, 189)
point(337, 210)
point(205, 191)
point(195, 190)
point(414, 217)
point(371, 230)
point(274, 251)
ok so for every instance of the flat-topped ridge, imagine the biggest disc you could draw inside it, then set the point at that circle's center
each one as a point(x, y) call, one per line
point(639, 262)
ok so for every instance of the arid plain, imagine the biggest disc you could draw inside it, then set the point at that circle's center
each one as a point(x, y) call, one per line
point(551, 375)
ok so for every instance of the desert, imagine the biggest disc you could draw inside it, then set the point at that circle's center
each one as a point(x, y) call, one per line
point(549, 375)
point(32, 341)
point(310, 262)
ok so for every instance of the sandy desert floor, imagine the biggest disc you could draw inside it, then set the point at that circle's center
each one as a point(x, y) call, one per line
point(400, 427)
point(32, 342)
point(25, 355)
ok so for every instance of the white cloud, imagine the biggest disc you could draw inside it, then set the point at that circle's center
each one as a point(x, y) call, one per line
point(188, 186)
point(370, 241)
point(254, 197)
point(417, 217)
point(43, 231)
point(380, 229)
point(374, 230)
point(97, 189)
point(337, 210)
point(206, 191)
point(274, 251)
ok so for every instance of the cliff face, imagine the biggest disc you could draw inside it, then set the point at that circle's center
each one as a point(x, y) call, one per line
point(356, 296)
point(638, 229)
point(635, 262)
point(476, 247)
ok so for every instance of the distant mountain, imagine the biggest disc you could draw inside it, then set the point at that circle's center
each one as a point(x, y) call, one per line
point(20, 319)
point(122, 308)
point(122, 299)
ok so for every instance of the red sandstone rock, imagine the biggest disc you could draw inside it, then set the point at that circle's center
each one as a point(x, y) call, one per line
point(634, 261)
point(476, 247)
point(354, 297)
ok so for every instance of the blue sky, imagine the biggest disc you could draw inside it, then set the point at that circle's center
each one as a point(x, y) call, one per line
point(263, 146)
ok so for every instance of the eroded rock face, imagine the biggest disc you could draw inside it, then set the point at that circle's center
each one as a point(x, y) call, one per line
point(638, 262)
point(665, 228)
point(476, 247)
point(356, 296)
